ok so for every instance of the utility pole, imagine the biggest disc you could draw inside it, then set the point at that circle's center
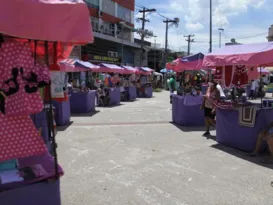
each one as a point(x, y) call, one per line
point(221, 30)
point(210, 27)
point(155, 53)
point(190, 40)
point(144, 20)
point(175, 21)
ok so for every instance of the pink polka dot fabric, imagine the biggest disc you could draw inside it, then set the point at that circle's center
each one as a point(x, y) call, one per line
point(19, 138)
point(14, 55)
point(19, 80)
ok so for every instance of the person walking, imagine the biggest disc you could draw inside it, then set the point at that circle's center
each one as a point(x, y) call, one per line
point(253, 87)
point(212, 94)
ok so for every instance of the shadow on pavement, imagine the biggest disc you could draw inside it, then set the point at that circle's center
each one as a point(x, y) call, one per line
point(89, 114)
point(191, 128)
point(111, 106)
point(63, 128)
point(263, 160)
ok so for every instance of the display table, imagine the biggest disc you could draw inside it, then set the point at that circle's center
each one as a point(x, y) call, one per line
point(35, 191)
point(62, 112)
point(83, 102)
point(149, 92)
point(186, 110)
point(230, 133)
point(114, 94)
point(132, 92)
point(43, 193)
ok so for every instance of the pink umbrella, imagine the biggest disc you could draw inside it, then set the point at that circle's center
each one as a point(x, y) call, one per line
point(46, 20)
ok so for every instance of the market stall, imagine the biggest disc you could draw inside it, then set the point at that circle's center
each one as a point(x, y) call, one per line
point(29, 174)
point(131, 88)
point(111, 91)
point(146, 88)
point(82, 100)
point(186, 106)
point(238, 126)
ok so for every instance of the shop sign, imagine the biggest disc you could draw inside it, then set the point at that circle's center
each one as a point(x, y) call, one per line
point(103, 59)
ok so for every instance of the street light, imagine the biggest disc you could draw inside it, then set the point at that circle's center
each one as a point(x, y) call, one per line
point(221, 30)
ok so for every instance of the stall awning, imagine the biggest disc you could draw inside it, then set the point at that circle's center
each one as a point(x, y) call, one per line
point(129, 70)
point(258, 54)
point(50, 20)
point(192, 62)
point(71, 65)
point(109, 68)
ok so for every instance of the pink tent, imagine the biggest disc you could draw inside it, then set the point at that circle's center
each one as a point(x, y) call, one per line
point(109, 68)
point(255, 73)
point(258, 54)
point(47, 20)
point(129, 70)
point(71, 65)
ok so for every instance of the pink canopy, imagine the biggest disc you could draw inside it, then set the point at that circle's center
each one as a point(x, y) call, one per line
point(47, 20)
point(258, 54)
point(71, 65)
point(130, 70)
point(109, 68)
point(255, 73)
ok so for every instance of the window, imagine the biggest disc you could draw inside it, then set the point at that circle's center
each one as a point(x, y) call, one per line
point(124, 14)
point(108, 29)
point(95, 24)
point(108, 7)
point(93, 3)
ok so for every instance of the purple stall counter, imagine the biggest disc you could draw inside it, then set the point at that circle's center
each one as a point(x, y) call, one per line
point(149, 92)
point(230, 133)
point(114, 94)
point(132, 93)
point(35, 191)
point(43, 193)
point(62, 112)
point(83, 102)
point(186, 110)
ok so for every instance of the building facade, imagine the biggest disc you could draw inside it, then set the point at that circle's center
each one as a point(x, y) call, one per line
point(113, 28)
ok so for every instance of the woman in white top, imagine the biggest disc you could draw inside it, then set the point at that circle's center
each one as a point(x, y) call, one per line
point(220, 89)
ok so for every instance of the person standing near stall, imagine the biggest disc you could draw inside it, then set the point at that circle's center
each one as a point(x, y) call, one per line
point(212, 94)
point(172, 86)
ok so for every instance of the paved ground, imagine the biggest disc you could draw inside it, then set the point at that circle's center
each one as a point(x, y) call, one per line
point(132, 155)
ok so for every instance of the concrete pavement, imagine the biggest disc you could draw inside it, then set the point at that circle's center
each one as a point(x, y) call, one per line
point(132, 155)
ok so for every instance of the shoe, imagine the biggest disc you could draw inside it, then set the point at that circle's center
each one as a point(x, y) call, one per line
point(206, 133)
point(253, 154)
